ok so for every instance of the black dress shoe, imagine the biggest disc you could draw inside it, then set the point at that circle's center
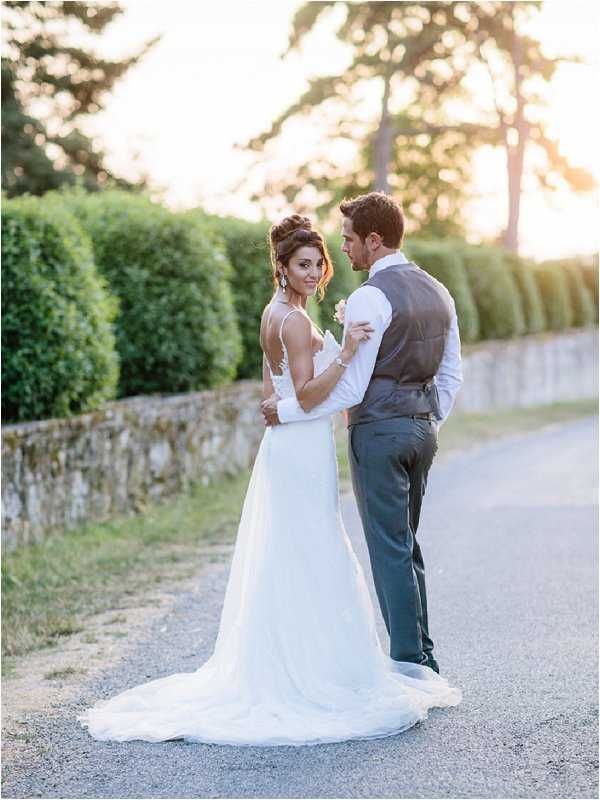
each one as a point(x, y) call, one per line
point(432, 664)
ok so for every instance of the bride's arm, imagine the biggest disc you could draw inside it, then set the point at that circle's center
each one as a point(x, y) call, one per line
point(297, 337)
point(366, 302)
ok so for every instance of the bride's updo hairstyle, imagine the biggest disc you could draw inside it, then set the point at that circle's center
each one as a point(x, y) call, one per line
point(290, 234)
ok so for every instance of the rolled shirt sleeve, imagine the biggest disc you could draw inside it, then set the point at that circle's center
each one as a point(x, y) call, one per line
point(449, 376)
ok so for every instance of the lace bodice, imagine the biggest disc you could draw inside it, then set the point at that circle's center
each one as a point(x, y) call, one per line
point(283, 384)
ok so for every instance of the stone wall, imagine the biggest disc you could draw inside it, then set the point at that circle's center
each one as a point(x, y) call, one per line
point(530, 371)
point(60, 472)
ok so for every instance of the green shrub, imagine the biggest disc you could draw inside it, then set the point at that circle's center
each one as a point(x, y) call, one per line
point(58, 342)
point(443, 262)
point(498, 300)
point(341, 286)
point(584, 308)
point(314, 311)
point(554, 289)
point(523, 271)
point(582, 300)
point(589, 270)
point(177, 330)
point(251, 284)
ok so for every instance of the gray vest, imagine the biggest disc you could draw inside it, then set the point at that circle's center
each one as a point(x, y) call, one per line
point(411, 349)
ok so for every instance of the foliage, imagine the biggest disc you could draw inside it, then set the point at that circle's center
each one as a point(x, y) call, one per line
point(313, 309)
point(442, 260)
point(518, 69)
point(418, 60)
point(556, 296)
point(533, 307)
point(251, 283)
point(341, 286)
point(589, 270)
point(45, 68)
point(582, 301)
point(499, 303)
point(58, 344)
point(176, 330)
point(398, 51)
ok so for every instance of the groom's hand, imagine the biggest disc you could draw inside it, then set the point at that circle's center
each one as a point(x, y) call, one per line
point(269, 411)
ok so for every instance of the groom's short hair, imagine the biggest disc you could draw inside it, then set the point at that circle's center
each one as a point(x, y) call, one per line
point(376, 212)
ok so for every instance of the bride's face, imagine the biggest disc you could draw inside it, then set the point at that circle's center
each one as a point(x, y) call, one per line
point(304, 270)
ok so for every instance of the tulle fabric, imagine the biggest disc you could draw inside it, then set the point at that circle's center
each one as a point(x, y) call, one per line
point(297, 660)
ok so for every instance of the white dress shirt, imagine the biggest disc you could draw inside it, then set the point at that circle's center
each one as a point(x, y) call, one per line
point(369, 304)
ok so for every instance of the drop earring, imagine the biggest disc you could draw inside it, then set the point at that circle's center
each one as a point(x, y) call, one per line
point(283, 282)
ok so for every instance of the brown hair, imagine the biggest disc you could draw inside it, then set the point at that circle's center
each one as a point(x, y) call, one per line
point(376, 212)
point(290, 234)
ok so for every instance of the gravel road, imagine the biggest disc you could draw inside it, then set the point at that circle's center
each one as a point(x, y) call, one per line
point(509, 534)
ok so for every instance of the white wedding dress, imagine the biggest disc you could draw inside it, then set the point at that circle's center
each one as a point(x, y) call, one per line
point(297, 659)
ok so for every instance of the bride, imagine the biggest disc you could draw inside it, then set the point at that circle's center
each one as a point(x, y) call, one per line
point(297, 660)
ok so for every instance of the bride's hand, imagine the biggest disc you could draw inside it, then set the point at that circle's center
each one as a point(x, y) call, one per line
point(356, 333)
point(268, 409)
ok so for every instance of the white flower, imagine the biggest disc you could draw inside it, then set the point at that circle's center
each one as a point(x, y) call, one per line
point(340, 309)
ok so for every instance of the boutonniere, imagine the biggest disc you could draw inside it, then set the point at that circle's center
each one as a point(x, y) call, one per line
point(340, 308)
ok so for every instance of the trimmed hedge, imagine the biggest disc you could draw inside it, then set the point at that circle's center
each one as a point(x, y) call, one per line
point(341, 286)
point(443, 262)
point(174, 300)
point(177, 330)
point(523, 271)
point(589, 270)
point(58, 343)
point(314, 311)
point(582, 301)
point(501, 314)
point(556, 296)
point(252, 284)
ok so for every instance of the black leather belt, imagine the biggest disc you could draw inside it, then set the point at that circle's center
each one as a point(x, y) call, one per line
point(423, 416)
point(424, 385)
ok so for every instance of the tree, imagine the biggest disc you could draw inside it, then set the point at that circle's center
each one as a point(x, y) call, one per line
point(516, 63)
point(49, 84)
point(400, 50)
point(422, 142)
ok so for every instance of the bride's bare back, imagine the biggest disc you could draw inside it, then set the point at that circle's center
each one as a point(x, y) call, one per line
point(270, 326)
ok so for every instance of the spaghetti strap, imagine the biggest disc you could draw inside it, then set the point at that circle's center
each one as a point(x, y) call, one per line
point(283, 320)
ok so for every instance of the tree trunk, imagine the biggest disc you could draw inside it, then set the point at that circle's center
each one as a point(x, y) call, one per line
point(515, 152)
point(514, 161)
point(382, 145)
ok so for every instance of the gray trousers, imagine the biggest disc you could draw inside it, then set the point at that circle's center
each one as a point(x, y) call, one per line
point(390, 461)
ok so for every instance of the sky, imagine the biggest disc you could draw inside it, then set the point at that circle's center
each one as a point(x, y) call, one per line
point(216, 79)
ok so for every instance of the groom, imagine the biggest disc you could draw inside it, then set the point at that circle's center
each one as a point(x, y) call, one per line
point(398, 388)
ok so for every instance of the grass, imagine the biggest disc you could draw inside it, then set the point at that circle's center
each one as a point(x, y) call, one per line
point(59, 674)
point(50, 588)
point(471, 429)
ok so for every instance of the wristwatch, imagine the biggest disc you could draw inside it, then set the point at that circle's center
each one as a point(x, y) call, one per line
point(338, 360)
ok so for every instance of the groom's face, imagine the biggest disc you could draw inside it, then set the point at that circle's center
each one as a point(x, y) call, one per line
point(354, 247)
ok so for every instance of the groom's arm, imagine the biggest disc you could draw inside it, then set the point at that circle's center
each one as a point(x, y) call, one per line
point(449, 377)
point(366, 303)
